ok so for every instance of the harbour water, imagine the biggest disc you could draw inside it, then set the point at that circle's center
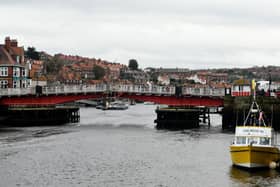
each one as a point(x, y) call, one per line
point(122, 148)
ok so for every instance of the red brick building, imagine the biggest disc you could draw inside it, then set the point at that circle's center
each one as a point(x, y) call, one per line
point(13, 70)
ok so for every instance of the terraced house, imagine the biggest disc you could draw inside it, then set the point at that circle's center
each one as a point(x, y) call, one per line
point(13, 69)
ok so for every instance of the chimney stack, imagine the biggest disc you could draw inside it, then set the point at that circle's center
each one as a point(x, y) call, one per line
point(7, 42)
point(14, 43)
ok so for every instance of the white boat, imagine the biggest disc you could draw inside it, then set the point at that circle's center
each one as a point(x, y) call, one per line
point(116, 105)
point(148, 103)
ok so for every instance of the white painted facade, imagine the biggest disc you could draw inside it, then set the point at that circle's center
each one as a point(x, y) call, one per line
point(196, 79)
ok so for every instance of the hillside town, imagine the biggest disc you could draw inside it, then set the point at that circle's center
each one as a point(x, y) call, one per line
point(21, 68)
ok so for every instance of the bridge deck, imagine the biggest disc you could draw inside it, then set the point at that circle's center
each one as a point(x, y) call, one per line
point(158, 94)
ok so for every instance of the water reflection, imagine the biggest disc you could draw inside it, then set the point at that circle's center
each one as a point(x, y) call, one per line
point(266, 177)
point(5, 130)
point(11, 135)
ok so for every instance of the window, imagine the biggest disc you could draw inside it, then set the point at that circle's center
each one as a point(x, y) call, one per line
point(16, 71)
point(236, 88)
point(15, 84)
point(24, 85)
point(23, 72)
point(264, 141)
point(240, 140)
point(241, 88)
point(3, 84)
point(4, 71)
point(29, 82)
point(252, 140)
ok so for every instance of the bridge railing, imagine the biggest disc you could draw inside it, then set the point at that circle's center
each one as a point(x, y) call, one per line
point(128, 88)
point(144, 89)
point(205, 91)
point(16, 91)
point(64, 89)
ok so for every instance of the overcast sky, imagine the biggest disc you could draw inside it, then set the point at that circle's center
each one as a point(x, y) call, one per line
point(193, 34)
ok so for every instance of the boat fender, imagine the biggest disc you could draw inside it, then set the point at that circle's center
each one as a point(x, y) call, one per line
point(273, 165)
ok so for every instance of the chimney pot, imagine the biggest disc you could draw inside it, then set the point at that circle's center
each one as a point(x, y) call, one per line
point(14, 43)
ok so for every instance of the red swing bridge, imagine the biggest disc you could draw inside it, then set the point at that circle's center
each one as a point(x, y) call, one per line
point(168, 95)
point(44, 105)
point(188, 106)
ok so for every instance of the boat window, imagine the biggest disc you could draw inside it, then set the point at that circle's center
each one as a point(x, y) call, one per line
point(252, 140)
point(264, 141)
point(240, 140)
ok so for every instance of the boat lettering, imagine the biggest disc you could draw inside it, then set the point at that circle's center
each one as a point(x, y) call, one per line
point(253, 130)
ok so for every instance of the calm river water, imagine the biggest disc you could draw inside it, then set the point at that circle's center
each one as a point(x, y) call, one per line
point(122, 148)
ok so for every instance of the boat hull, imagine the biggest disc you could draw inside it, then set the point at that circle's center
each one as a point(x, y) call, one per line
point(254, 156)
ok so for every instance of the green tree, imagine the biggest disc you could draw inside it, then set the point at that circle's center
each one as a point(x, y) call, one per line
point(99, 72)
point(32, 53)
point(133, 64)
point(54, 65)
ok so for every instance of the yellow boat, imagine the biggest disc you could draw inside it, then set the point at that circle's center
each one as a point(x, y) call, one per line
point(254, 145)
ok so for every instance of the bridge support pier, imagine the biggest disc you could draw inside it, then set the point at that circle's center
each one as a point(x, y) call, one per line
point(174, 118)
point(40, 116)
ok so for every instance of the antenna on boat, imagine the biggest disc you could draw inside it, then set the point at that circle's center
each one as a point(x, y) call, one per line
point(254, 108)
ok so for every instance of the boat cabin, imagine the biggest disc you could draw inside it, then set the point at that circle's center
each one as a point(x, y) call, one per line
point(254, 135)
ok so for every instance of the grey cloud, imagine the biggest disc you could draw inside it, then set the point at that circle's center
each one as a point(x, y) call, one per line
point(167, 33)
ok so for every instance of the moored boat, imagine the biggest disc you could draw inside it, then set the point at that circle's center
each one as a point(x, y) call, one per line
point(255, 143)
point(116, 105)
point(148, 103)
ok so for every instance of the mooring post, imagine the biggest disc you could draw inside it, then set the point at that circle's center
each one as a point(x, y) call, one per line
point(208, 111)
point(204, 115)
